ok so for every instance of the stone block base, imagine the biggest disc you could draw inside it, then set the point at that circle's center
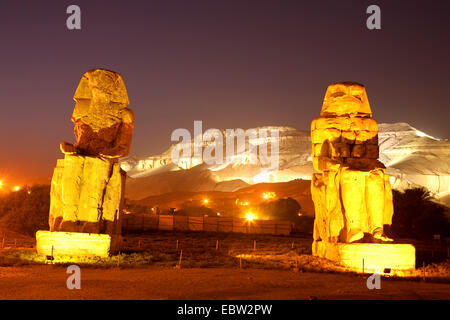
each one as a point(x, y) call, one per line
point(384, 259)
point(76, 244)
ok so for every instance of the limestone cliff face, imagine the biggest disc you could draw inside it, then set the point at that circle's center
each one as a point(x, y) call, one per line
point(412, 158)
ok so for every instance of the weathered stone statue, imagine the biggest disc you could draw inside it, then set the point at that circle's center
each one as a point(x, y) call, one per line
point(352, 194)
point(88, 184)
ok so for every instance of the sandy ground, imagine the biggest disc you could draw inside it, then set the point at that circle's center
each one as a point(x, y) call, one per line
point(49, 282)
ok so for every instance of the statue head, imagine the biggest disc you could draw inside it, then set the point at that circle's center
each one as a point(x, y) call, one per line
point(346, 99)
point(100, 98)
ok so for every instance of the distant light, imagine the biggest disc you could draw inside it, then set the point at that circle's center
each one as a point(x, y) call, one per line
point(218, 213)
point(205, 201)
point(269, 195)
point(16, 188)
point(250, 216)
point(1, 184)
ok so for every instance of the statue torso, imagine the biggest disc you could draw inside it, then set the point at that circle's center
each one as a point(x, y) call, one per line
point(93, 143)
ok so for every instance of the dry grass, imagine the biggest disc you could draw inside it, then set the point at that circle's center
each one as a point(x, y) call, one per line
point(199, 251)
point(199, 248)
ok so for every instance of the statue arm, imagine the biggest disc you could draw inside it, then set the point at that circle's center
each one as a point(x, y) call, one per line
point(67, 148)
point(323, 139)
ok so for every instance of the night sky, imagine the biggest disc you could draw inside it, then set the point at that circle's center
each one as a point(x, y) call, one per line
point(233, 63)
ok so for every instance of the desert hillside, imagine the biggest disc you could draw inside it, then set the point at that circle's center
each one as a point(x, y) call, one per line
point(412, 157)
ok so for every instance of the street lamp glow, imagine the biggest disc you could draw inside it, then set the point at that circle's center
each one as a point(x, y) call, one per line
point(16, 188)
point(250, 216)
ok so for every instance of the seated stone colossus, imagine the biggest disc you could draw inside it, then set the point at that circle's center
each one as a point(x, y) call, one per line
point(351, 193)
point(88, 184)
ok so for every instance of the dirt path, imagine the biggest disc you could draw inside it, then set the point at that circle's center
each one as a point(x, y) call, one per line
point(49, 282)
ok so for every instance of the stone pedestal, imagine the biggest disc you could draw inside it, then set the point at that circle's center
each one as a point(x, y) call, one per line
point(384, 259)
point(76, 244)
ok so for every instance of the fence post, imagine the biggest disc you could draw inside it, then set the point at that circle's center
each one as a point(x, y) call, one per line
point(181, 257)
point(423, 270)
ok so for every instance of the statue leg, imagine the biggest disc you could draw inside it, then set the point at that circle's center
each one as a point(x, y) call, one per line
point(388, 201)
point(112, 201)
point(320, 219)
point(56, 205)
point(71, 184)
point(376, 203)
point(333, 210)
point(96, 175)
point(352, 193)
point(375, 200)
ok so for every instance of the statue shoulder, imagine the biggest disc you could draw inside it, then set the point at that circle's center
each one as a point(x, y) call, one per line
point(127, 115)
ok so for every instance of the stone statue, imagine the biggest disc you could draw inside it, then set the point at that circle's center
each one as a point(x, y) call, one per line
point(88, 185)
point(352, 194)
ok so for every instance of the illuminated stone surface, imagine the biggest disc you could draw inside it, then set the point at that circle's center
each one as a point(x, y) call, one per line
point(352, 194)
point(75, 244)
point(88, 185)
point(389, 259)
point(81, 170)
